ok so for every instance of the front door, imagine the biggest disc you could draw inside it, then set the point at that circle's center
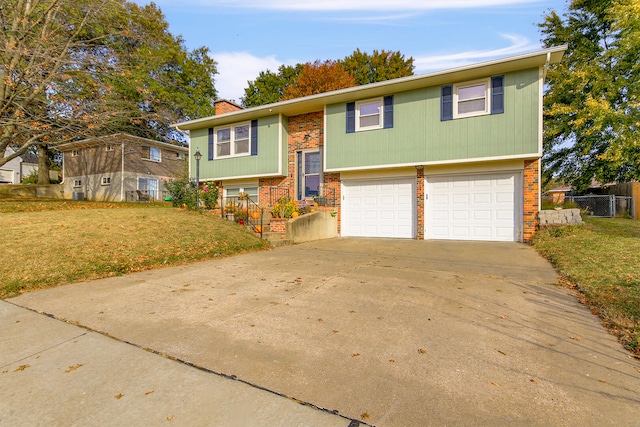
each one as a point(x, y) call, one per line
point(308, 183)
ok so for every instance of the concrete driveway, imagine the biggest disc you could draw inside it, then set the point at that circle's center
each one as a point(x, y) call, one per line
point(388, 332)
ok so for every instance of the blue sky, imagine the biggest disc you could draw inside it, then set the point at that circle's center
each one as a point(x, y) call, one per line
point(249, 36)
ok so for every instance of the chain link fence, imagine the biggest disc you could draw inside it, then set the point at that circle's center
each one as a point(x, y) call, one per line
point(605, 206)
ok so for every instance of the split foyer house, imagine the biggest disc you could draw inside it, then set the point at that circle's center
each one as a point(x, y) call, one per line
point(119, 167)
point(446, 155)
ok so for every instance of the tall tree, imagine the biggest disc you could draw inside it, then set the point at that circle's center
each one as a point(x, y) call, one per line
point(380, 66)
point(591, 105)
point(319, 77)
point(72, 69)
point(269, 87)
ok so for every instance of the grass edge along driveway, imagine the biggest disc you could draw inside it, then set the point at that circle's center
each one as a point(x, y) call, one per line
point(49, 243)
point(602, 260)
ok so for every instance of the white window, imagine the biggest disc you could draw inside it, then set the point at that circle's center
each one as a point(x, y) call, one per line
point(235, 192)
point(148, 186)
point(471, 99)
point(180, 155)
point(106, 180)
point(75, 153)
point(369, 114)
point(109, 147)
point(152, 153)
point(77, 183)
point(233, 141)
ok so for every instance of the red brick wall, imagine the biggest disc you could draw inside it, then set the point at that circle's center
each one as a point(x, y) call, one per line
point(531, 198)
point(306, 131)
point(223, 106)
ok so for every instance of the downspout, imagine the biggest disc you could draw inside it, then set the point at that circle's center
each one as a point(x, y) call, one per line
point(546, 67)
point(122, 174)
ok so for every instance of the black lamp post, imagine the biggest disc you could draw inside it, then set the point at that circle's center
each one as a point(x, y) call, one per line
point(197, 156)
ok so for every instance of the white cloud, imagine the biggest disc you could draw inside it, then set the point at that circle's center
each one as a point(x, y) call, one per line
point(518, 44)
point(235, 69)
point(360, 5)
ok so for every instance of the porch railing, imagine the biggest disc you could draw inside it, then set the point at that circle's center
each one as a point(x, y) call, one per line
point(243, 211)
point(145, 195)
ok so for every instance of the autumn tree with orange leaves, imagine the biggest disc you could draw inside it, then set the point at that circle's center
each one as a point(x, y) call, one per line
point(319, 77)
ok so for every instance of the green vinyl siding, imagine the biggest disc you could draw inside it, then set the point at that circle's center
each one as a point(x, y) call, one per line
point(418, 135)
point(265, 163)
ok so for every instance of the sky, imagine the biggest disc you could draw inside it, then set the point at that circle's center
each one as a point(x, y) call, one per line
point(249, 36)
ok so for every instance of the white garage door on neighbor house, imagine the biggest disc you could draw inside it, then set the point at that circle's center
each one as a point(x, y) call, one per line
point(474, 207)
point(378, 208)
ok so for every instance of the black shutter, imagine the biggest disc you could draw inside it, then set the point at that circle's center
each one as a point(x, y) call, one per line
point(388, 112)
point(254, 137)
point(446, 103)
point(210, 144)
point(497, 95)
point(351, 117)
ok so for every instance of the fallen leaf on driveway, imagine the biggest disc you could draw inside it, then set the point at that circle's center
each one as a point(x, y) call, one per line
point(575, 338)
point(495, 384)
point(73, 368)
point(170, 417)
point(365, 416)
point(502, 352)
point(504, 316)
point(21, 368)
point(119, 396)
point(149, 392)
point(392, 361)
point(335, 332)
point(355, 355)
point(422, 351)
point(533, 381)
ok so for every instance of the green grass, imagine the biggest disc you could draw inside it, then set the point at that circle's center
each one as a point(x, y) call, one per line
point(601, 259)
point(53, 242)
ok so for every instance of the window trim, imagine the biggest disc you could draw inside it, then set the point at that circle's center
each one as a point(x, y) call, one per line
point(77, 183)
point(109, 147)
point(151, 158)
point(75, 153)
point(487, 98)
point(106, 180)
point(232, 141)
point(380, 125)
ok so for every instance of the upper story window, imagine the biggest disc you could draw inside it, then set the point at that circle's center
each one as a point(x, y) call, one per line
point(233, 140)
point(109, 147)
point(151, 153)
point(75, 153)
point(370, 114)
point(473, 98)
point(106, 180)
point(180, 155)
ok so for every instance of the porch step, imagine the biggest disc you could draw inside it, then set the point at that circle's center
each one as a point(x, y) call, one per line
point(276, 239)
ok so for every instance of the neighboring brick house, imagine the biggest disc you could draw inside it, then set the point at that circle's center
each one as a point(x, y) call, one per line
point(119, 167)
point(446, 155)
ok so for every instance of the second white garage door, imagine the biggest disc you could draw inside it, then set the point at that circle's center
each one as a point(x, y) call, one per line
point(378, 208)
point(474, 207)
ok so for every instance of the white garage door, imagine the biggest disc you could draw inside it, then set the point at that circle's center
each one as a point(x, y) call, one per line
point(473, 207)
point(6, 176)
point(378, 208)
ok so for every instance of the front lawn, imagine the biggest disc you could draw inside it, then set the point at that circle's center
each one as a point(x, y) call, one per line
point(52, 242)
point(601, 259)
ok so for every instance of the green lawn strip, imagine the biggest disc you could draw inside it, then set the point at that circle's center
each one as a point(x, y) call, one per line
point(602, 259)
point(49, 248)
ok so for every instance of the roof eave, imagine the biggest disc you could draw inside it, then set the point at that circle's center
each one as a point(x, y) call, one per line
point(317, 102)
